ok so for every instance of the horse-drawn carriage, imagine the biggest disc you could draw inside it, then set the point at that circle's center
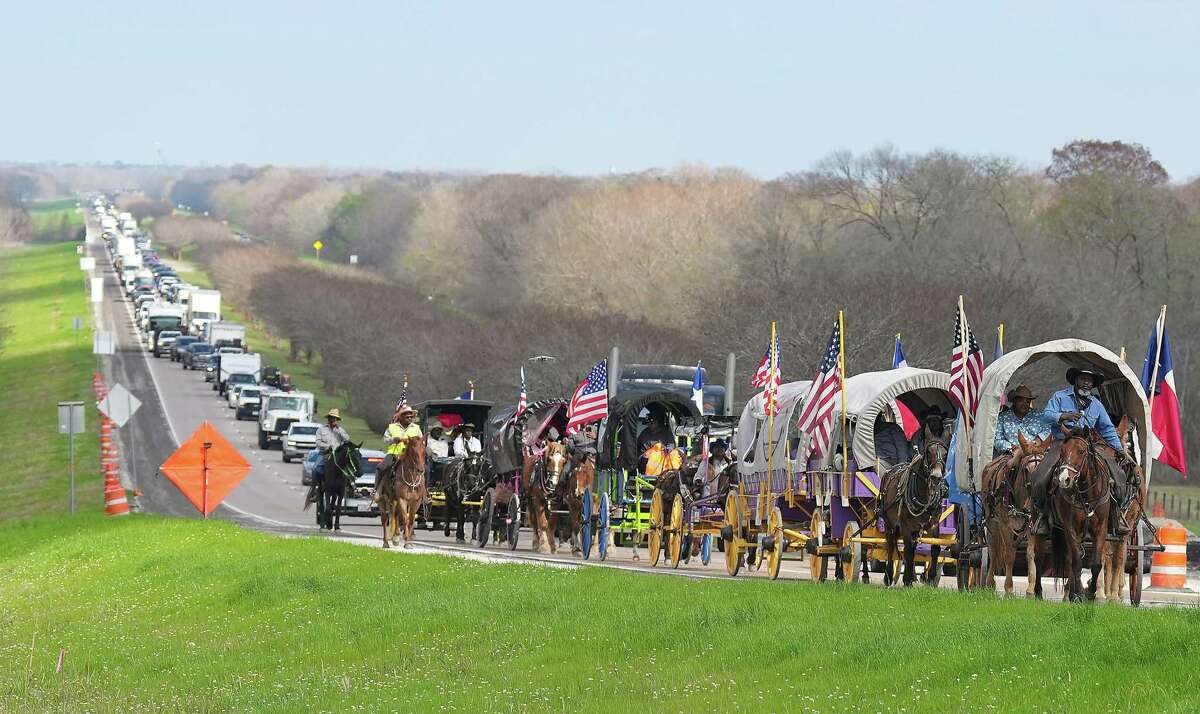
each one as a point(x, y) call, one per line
point(455, 485)
point(836, 505)
point(625, 492)
point(523, 458)
point(1000, 507)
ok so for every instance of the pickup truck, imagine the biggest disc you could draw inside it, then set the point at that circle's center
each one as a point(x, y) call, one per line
point(279, 410)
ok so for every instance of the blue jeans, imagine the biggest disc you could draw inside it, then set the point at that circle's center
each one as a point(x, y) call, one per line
point(318, 474)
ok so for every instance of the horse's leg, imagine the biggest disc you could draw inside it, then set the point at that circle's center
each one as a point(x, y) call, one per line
point(461, 512)
point(339, 497)
point(890, 538)
point(1032, 578)
point(1099, 553)
point(934, 568)
point(1009, 554)
point(383, 521)
point(910, 558)
point(993, 544)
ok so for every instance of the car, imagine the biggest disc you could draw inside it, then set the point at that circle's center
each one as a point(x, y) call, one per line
point(299, 439)
point(181, 342)
point(197, 355)
point(248, 401)
point(306, 469)
point(359, 502)
point(233, 381)
point(166, 338)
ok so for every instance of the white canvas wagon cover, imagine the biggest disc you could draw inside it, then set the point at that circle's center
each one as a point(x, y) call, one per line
point(1072, 353)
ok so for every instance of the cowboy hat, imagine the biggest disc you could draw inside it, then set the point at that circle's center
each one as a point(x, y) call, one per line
point(405, 410)
point(1021, 392)
point(1074, 372)
point(932, 411)
point(467, 425)
point(333, 414)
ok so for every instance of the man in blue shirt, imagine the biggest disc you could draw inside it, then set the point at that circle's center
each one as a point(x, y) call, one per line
point(1020, 418)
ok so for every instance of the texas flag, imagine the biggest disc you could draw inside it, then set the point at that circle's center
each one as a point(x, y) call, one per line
point(698, 389)
point(1166, 443)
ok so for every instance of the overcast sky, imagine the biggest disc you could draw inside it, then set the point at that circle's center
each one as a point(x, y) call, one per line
point(589, 87)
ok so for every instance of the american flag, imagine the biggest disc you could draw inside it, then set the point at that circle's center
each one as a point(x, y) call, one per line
point(589, 403)
point(763, 374)
point(972, 367)
point(523, 400)
point(817, 417)
point(403, 402)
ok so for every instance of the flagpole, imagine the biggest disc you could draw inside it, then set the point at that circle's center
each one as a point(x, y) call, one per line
point(966, 405)
point(842, 389)
point(771, 417)
point(1000, 333)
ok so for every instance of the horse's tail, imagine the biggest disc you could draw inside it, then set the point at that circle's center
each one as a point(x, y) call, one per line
point(1058, 551)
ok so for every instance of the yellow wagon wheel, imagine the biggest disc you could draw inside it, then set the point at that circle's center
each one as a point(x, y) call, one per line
point(816, 563)
point(654, 535)
point(732, 523)
point(675, 533)
point(852, 563)
point(775, 553)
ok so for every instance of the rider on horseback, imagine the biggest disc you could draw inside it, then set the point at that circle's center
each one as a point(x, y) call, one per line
point(398, 434)
point(329, 436)
point(1073, 408)
point(1020, 418)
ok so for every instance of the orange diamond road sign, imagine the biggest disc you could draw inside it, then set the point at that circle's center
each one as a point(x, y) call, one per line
point(206, 468)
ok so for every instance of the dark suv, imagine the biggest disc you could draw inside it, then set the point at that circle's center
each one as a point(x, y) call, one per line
point(197, 355)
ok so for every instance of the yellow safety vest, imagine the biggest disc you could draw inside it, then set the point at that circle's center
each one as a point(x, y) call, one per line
point(658, 459)
point(395, 431)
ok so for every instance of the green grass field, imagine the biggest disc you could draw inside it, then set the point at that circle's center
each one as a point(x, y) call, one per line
point(159, 614)
point(43, 362)
point(275, 353)
point(1181, 493)
point(54, 219)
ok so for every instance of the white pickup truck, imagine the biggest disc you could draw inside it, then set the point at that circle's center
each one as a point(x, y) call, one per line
point(278, 411)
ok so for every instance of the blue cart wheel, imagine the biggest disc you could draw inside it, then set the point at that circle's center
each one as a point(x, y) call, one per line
point(705, 548)
point(602, 526)
point(585, 532)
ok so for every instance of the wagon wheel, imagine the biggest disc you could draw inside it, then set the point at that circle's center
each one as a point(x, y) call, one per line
point(1137, 538)
point(585, 529)
point(513, 532)
point(654, 535)
point(774, 555)
point(602, 517)
point(483, 528)
point(675, 533)
point(852, 561)
point(817, 571)
point(705, 548)
point(732, 525)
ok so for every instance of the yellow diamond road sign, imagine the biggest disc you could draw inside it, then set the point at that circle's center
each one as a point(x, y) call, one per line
point(318, 244)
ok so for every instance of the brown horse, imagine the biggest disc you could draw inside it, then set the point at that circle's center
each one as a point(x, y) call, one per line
point(539, 481)
point(910, 498)
point(400, 492)
point(1123, 518)
point(570, 494)
point(1079, 499)
point(1008, 505)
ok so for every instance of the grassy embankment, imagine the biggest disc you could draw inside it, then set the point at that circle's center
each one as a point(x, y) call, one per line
point(202, 616)
point(56, 219)
point(44, 362)
point(1182, 494)
point(275, 353)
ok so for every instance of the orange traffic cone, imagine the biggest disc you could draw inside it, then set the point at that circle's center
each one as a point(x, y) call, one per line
point(115, 503)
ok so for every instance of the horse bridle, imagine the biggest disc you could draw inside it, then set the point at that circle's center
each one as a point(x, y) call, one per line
point(1077, 497)
point(935, 495)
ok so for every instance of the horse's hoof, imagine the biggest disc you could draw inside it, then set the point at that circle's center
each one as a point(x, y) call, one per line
point(407, 546)
point(460, 541)
point(337, 528)
point(385, 545)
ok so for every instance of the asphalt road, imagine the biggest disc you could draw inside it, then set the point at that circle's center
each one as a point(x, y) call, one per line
point(175, 402)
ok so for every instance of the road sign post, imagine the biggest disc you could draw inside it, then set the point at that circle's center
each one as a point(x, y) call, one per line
point(317, 246)
point(70, 422)
point(120, 406)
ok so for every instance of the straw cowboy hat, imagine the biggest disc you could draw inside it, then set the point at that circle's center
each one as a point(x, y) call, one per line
point(1074, 372)
point(333, 414)
point(1021, 392)
point(405, 410)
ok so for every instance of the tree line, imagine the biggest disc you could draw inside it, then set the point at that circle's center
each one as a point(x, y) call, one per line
point(465, 276)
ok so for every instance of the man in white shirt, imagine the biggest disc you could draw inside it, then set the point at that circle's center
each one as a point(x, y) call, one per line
point(466, 444)
point(438, 447)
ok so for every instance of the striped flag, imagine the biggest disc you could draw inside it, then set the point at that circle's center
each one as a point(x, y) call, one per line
point(898, 360)
point(589, 403)
point(768, 376)
point(1158, 379)
point(698, 389)
point(817, 417)
point(966, 368)
point(403, 402)
point(523, 400)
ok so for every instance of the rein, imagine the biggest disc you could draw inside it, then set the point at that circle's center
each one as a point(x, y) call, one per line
point(933, 498)
point(1080, 498)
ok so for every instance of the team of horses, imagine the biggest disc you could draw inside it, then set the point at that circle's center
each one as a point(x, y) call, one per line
point(1083, 503)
